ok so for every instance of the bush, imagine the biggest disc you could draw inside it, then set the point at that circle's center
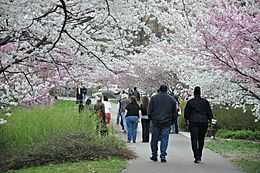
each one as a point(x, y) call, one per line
point(240, 134)
point(69, 147)
point(228, 118)
point(109, 94)
point(182, 124)
point(235, 119)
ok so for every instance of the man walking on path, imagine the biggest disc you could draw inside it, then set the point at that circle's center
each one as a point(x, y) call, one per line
point(136, 93)
point(162, 112)
point(197, 115)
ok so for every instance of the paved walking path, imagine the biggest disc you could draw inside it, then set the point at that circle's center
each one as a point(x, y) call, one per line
point(179, 158)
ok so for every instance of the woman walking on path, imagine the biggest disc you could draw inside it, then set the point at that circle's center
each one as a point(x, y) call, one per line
point(144, 119)
point(123, 103)
point(107, 109)
point(197, 114)
point(132, 112)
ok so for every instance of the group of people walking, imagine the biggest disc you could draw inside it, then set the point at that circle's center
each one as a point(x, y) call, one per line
point(162, 111)
point(130, 112)
point(158, 115)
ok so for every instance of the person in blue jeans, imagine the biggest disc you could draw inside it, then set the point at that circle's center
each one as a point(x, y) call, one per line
point(162, 112)
point(132, 112)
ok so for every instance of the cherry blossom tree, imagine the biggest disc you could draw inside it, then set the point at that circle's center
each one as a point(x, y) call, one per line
point(231, 42)
point(183, 43)
point(49, 43)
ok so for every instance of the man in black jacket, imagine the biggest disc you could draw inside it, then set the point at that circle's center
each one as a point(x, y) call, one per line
point(197, 114)
point(162, 112)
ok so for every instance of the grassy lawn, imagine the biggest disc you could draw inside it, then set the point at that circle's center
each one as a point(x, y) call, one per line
point(114, 165)
point(245, 154)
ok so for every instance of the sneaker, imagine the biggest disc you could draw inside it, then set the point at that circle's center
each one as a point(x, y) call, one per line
point(196, 161)
point(163, 160)
point(154, 159)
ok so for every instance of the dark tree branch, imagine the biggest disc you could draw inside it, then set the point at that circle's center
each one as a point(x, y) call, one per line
point(49, 12)
point(186, 14)
point(64, 23)
point(5, 40)
point(90, 52)
point(251, 92)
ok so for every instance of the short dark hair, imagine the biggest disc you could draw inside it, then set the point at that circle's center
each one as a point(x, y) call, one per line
point(135, 88)
point(163, 88)
point(105, 98)
point(197, 91)
point(88, 102)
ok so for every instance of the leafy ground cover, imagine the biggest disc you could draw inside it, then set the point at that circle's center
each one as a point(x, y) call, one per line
point(245, 154)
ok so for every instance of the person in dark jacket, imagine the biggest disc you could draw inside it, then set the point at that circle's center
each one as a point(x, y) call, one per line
point(83, 92)
point(197, 114)
point(144, 119)
point(136, 93)
point(162, 112)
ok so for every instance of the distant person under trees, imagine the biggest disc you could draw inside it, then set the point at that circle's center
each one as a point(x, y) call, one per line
point(136, 93)
point(84, 93)
point(99, 108)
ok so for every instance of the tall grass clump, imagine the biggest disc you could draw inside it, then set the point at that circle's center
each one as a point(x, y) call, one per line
point(55, 134)
point(29, 126)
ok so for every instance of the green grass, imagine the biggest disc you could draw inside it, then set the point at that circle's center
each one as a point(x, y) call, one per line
point(245, 154)
point(249, 165)
point(57, 134)
point(113, 101)
point(113, 165)
point(28, 126)
point(239, 134)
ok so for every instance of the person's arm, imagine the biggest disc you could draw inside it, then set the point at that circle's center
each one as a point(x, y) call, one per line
point(187, 112)
point(174, 111)
point(126, 109)
point(109, 105)
point(209, 113)
point(140, 114)
point(150, 108)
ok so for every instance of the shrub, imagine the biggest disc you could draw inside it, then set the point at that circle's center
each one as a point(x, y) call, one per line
point(109, 94)
point(69, 147)
point(235, 119)
point(229, 118)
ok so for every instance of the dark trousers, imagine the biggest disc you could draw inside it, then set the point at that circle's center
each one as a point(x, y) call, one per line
point(145, 129)
point(197, 132)
point(176, 126)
